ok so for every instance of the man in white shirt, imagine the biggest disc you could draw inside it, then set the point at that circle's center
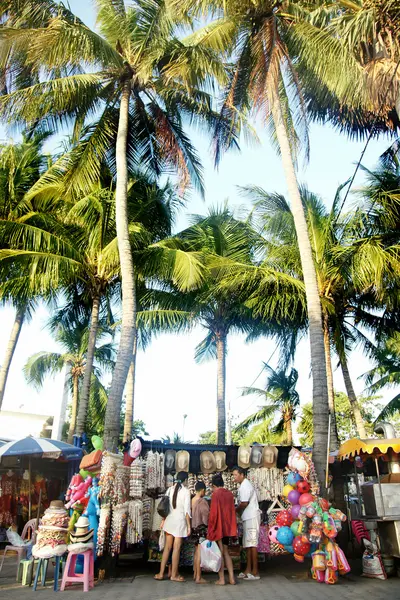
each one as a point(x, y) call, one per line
point(249, 511)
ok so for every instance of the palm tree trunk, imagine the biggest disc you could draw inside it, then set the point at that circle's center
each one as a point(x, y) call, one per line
point(318, 366)
point(75, 401)
point(130, 395)
point(331, 391)
point(87, 378)
point(221, 379)
point(355, 407)
point(287, 419)
point(129, 308)
point(12, 344)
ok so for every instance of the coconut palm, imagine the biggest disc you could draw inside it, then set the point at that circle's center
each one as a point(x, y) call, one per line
point(386, 373)
point(20, 167)
point(267, 40)
point(74, 342)
point(141, 79)
point(280, 397)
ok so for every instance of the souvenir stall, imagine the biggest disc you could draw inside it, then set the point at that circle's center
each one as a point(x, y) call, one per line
point(33, 472)
point(129, 494)
point(376, 523)
point(309, 527)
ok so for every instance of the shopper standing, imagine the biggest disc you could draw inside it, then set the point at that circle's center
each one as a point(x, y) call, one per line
point(200, 514)
point(222, 525)
point(249, 512)
point(176, 526)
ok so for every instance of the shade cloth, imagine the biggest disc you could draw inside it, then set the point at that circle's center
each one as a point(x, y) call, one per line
point(373, 446)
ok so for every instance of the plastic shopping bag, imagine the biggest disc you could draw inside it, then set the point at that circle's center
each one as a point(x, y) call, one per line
point(15, 539)
point(210, 556)
point(161, 540)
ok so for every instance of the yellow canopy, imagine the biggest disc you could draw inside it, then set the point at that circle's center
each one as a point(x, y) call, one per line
point(376, 446)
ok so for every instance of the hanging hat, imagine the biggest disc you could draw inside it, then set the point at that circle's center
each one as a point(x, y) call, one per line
point(244, 454)
point(256, 457)
point(135, 448)
point(182, 461)
point(169, 461)
point(269, 456)
point(207, 462)
point(220, 461)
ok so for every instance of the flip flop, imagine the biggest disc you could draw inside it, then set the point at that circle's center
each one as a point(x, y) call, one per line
point(242, 575)
point(251, 577)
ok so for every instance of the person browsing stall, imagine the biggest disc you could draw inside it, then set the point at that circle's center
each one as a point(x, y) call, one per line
point(249, 512)
point(200, 514)
point(222, 525)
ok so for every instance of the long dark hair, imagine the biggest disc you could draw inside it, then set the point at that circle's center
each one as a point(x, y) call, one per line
point(180, 478)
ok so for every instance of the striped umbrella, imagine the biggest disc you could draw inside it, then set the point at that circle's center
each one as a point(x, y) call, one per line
point(41, 448)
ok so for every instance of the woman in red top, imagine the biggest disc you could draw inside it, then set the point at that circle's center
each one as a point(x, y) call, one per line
point(222, 525)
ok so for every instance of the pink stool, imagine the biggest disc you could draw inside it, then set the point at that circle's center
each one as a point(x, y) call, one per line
point(87, 577)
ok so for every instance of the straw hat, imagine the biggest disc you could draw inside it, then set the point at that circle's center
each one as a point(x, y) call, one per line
point(182, 461)
point(56, 504)
point(256, 456)
point(269, 456)
point(244, 454)
point(207, 462)
point(82, 533)
point(169, 461)
point(220, 461)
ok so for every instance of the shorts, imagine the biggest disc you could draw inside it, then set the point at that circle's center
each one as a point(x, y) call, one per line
point(251, 532)
point(199, 534)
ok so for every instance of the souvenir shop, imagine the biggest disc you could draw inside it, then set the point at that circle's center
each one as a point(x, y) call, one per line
point(28, 483)
point(129, 494)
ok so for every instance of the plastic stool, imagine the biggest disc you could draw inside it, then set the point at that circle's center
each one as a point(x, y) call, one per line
point(25, 571)
point(42, 569)
point(87, 577)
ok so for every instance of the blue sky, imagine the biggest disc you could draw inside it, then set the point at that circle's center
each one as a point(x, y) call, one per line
point(169, 383)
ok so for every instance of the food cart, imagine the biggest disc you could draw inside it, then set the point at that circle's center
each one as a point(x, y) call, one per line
point(379, 499)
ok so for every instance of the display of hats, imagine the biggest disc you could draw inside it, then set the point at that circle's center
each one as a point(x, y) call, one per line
point(269, 456)
point(207, 462)
point(52, 533)
point(244, 454)
point(220, 460)
point(182, 461)
point(82, 537)
point(169, 461)
point(135, 448)
point(256, 456)
point(82, 534)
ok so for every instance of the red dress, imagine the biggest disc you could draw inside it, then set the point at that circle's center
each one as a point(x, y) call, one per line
point(222, 520)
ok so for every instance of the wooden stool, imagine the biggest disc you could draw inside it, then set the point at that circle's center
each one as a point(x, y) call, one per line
point(87, 577)
point(42, 568)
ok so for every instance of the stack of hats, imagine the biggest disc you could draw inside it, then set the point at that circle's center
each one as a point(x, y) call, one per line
point(82, 537)
point(52, 534)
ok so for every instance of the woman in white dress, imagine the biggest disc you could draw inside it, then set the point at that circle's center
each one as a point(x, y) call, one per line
point(176, 526)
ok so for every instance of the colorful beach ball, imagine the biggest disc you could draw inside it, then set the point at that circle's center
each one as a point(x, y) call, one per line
point(284, 518)
point(293, 478)
point(272, 533)
point(285, 536)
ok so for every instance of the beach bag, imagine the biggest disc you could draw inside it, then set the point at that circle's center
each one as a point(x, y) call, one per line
point(164, 507)
point(210, 556)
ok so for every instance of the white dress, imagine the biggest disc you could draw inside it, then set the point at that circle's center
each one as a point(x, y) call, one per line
point(175, 524)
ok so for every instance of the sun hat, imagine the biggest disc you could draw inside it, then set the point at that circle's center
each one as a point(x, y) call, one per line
point(256, 457)
point(220, 460)
point(207, 462)
point(244, 453)
point(182, 461)
point(135, 448)
point(269, 456)
point(169, 461)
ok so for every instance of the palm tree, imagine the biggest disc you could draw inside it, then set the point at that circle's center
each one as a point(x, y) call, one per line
point(214, 237)
point(386, 372)
point(20, 167)
point(281, 397)
point(74, 341)
point(267, 40)
point(141, 79)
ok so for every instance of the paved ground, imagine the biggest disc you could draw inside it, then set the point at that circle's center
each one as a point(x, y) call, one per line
point(274, 585)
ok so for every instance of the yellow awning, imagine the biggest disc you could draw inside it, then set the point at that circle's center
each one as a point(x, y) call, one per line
point(375, 446)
